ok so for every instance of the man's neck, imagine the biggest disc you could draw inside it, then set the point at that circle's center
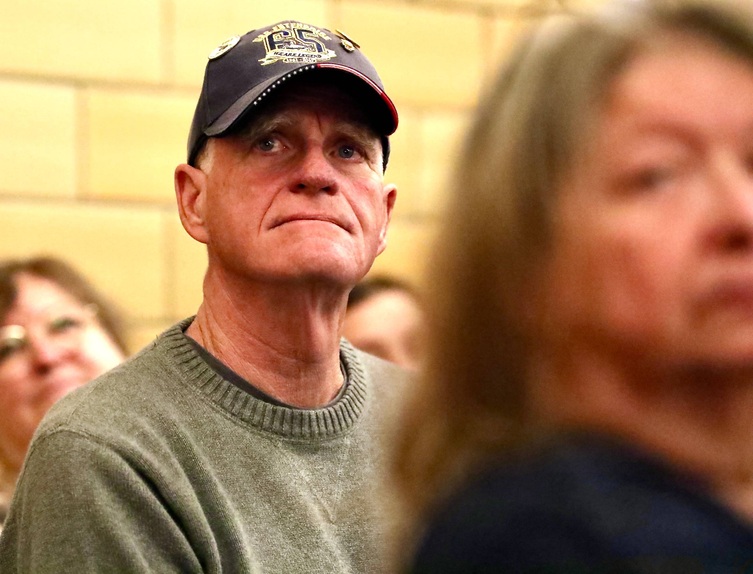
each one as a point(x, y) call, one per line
point(284, 341)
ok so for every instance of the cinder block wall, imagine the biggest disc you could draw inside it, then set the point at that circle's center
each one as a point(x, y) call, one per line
point(96, 97)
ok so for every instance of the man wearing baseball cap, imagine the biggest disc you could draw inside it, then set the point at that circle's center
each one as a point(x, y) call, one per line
point(246, 438)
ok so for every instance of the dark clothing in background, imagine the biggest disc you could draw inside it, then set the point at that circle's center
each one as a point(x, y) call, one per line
point(585, 504)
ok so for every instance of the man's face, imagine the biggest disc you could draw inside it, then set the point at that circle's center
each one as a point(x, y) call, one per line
point(653, 249)
point(298, 194)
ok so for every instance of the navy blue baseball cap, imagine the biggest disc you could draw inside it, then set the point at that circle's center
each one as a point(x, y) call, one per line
point(245, 71)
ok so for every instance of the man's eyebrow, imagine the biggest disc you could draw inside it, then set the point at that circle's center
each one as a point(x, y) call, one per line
point(359, 132)
point(355, 129)
point(265, 125)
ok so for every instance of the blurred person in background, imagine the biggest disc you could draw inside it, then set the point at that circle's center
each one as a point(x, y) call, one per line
point(384, 317)
point(57, 332)
point(588, 398)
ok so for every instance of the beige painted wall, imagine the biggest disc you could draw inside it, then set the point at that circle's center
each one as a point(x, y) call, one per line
point(96, 97)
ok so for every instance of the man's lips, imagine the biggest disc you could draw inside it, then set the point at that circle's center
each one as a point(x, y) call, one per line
point(311, 217)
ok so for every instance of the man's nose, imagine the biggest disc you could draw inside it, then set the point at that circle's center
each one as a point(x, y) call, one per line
point(315, 172)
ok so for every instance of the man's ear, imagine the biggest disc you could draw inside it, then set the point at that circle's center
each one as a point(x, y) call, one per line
point(190, 192)
point(390, 195)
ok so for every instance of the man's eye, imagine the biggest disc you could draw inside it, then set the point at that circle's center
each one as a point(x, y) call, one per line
point(272, 143)
point(267, 144)
point(347, 151)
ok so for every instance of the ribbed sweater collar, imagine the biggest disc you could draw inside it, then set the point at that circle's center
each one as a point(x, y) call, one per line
point(323, 423)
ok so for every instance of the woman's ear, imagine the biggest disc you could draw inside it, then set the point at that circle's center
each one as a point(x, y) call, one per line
point(190, 192)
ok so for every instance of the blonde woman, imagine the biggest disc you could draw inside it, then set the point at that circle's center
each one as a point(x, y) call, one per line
point(588, 401)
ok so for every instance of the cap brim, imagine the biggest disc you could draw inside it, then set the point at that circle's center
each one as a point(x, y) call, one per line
point(230, 117)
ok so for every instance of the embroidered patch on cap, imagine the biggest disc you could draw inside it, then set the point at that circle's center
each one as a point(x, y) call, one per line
point(295, 43)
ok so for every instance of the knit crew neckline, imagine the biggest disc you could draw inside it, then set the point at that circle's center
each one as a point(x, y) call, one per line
point(327, 422)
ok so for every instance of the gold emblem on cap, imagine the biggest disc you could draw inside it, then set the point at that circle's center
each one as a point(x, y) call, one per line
point(349, 44)
point(294, 43)
point(225, 47)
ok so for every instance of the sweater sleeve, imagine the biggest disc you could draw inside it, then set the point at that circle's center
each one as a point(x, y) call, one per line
point(81, 506)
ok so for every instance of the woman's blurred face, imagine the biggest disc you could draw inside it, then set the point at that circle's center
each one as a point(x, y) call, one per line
point(387, 324)
point(652, 257)
point(50, 344)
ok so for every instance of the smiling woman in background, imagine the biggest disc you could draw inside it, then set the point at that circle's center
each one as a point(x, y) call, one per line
point(56, 333)
point(588, 398)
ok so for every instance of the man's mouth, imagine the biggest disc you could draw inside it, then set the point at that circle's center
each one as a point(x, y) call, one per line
point(311, 218)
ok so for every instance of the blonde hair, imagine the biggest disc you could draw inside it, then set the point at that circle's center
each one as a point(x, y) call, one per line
point(472, 402)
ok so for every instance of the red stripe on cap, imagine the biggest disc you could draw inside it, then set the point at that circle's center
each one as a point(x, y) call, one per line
point(377, 89)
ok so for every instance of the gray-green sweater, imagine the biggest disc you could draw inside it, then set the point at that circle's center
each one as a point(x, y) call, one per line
point(161, 465)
